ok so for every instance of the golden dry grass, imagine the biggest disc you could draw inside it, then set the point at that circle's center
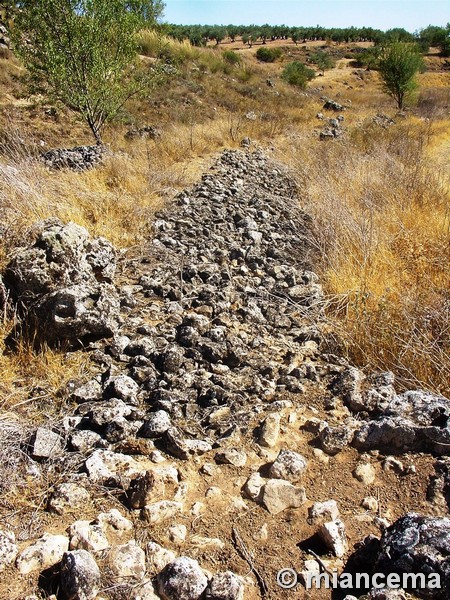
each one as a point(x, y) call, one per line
point(381, 209)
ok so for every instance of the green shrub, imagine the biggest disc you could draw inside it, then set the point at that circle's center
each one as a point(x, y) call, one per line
point(231, 57)
point(298, 74)
point(268, 55)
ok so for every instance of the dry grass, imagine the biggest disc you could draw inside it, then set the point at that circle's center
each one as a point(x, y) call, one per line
point(382, 220)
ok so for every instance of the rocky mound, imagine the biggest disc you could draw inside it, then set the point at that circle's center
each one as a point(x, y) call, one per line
point(213, 377)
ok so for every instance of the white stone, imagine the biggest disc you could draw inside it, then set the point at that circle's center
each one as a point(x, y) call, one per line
point(158, 557)
point(270, 430)
point(8, 549)
point(278, 495)
point(253, 486)
point(114, 519)
point(334, 537)
point(177, 534)
point(321, 512)
point(127, 560)
point(370, 503)
point(87, 536)
point(365, 473)
point(44, 553)
point(67, 497)
point(161, 511)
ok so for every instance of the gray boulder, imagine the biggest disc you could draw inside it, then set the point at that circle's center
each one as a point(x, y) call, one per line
point(182, 580)
point(62, 284)
point(79, 158)
point(415, 421)
point(80, 576)
point(416, 544)
point(225, 586)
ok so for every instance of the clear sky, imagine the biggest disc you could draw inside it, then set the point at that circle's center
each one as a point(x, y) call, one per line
point(380, 14)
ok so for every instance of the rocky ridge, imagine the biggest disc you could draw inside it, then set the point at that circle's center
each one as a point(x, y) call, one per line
point(211, 364)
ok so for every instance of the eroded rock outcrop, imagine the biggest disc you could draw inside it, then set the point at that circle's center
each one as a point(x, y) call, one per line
point(62, 284)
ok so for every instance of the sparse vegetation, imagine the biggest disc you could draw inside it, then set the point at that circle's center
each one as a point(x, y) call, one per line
point(323, 60)
point(298, 74)
point(268, 55)
point(398, 65)
point(83, 55)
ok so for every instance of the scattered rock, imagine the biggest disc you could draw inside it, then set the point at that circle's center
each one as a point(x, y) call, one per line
point(278, 495)
point(418, 544)
point(334, 537)
point(62, 284)
point(46, 444)
point(288, 465)
point(335, 439)
point(158, 558)
point(365, 473)
point(415, 421)
point(232, 456)
point(8, 549)
point(270, 430)
point(182, 580)
point(79, 158)
point(321, 512)
point(146, 488)
point(127, 561)
point(68, 497)
point(161, 511)
point(370, 503)
point(44, 553)
point(225, 586)
point(80, 576)
point(87, 536)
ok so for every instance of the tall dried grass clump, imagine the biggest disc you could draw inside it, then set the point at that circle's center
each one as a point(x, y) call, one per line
point(153, 44)
point(382, 217)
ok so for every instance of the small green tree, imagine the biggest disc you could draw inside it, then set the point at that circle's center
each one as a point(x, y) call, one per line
point(83, 52)
point(323, 60)
point(268, 55)
point(298, 74)
point(398, 65)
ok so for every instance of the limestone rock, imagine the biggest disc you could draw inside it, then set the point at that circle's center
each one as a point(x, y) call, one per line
point(85, 535)
point(44, 553)
point(225, 586)
point(161, 511)
point(417, 544)
point(145, 488)
point(80, 576)
point(127, 561)
point(288, 465)
point(278, 495)
point(8, 549)
point(232, 456)
point(334, 537)
point(158, 557)
point(365, 473)
point(63, 282)
point(321, 512)
point(270, 430)
point(182, 580)
point(46, 444)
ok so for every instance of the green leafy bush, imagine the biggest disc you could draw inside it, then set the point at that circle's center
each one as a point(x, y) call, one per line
point(298, 74)
point(268, 55)
point(231, 57)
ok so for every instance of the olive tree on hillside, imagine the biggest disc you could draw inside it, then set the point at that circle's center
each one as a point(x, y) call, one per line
point(398, 65)
point(323, 60)
point(83, 52)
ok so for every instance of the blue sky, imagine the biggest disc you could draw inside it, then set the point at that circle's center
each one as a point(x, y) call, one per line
point(381, 14)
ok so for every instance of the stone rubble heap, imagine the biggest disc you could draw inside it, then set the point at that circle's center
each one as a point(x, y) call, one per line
point(198, 359)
